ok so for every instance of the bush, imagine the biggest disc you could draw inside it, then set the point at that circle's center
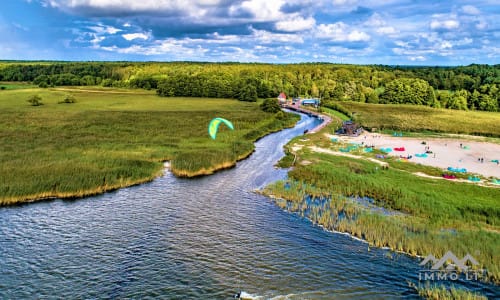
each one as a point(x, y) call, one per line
point(2, 88)
point(68, 99)
point(270, 105)
point(35, 100)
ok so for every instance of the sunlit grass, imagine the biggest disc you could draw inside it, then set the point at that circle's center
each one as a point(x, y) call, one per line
point(114, 138)
point(421, 118)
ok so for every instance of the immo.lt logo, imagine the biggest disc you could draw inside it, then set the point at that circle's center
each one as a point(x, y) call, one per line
point(449, 267)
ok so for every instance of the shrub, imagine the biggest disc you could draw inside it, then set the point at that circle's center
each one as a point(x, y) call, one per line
point(270, 105)
point(35, 100)
point(68, 99)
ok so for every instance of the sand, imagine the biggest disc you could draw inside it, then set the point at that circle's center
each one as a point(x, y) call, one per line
point(446, 152)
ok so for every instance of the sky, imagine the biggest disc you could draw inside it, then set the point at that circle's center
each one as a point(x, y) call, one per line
point(391, 32)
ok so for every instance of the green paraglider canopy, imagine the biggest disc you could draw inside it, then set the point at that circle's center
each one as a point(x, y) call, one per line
point(214, 126)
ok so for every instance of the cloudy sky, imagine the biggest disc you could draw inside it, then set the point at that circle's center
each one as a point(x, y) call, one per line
point(407, 32)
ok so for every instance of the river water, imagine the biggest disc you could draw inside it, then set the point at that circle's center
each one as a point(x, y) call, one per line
point(203, 238)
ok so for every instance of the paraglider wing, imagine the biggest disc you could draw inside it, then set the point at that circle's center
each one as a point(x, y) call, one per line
point(214, 126)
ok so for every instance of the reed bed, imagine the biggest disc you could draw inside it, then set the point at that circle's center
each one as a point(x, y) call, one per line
point(114, 138)
point(434, 216)
point(442, 293)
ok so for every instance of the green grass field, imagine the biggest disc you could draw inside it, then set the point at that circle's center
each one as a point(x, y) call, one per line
point(112, 138)
point(15, 86)
point(420, 118)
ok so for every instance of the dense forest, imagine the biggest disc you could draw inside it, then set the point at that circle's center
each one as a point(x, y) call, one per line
point(474, 87)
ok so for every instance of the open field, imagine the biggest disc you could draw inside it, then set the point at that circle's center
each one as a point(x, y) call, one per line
point(432, 215)
point(420, 118)
point(15, 86)
point(114, 138)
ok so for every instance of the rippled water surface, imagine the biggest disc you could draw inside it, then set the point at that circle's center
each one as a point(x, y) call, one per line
point(204, 238)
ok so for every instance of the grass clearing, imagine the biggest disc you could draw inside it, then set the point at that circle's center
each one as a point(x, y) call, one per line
point(413, 118)
point(114, 138)
point(5, 86)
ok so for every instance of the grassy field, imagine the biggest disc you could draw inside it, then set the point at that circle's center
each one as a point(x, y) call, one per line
point(431, 216)
point(114, 138)
point(420, 118)
point(15, 86)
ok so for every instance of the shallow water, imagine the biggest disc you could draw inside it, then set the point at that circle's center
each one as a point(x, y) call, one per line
point(189, 239)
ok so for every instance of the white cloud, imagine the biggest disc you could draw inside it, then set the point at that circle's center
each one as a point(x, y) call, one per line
point(481, 25)
point(445, 24)
point(445, 45)
point(263, 10)
point(102, 29)
point(344, 2)
point(375, 20)
point(134, 36)
point(470, 10)
point(388, 30)
point(417, 58)
point(380, 26)
point(267, 37)
point(340, 32)
point(297, 24)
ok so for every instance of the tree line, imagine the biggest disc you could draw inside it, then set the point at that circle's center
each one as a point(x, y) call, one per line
point(472, 87)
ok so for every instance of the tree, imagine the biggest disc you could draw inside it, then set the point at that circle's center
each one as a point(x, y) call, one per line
point(248, 93)
point(488, 103)
point(270, 105)
point(35, 100)
point(409, 91)
point(474, 100)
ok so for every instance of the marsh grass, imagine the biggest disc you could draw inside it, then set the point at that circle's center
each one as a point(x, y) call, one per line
point(438, 215)
point(113, 138)
point(436, 292)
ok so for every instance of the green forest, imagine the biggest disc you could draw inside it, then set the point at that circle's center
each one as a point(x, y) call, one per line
point(473, 87)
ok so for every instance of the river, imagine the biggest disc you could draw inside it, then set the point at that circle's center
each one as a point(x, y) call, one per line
point(203, 238)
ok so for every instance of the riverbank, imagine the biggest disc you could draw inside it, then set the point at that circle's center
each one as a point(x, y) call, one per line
point(113, 138)
point(437, 215)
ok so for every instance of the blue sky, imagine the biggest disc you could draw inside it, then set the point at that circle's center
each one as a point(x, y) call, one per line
point(405, 32)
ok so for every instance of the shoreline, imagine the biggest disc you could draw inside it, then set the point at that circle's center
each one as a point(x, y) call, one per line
point(47, 196)
point(354, 235)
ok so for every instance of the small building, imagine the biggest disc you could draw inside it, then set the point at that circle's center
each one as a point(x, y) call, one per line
point(350, 128)
point(282, 98)
point(311, 101)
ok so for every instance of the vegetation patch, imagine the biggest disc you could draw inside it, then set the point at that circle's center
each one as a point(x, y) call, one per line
point(432, 216)
point(114, 138)
point(420, 118)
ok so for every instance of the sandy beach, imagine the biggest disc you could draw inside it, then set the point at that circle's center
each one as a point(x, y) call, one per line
point(446, 152)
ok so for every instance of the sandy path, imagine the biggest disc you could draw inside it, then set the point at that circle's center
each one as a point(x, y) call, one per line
point(338, 153)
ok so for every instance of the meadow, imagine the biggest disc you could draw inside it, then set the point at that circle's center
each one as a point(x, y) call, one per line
point(421, 118)
point(112, 138)
point(423, 215)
